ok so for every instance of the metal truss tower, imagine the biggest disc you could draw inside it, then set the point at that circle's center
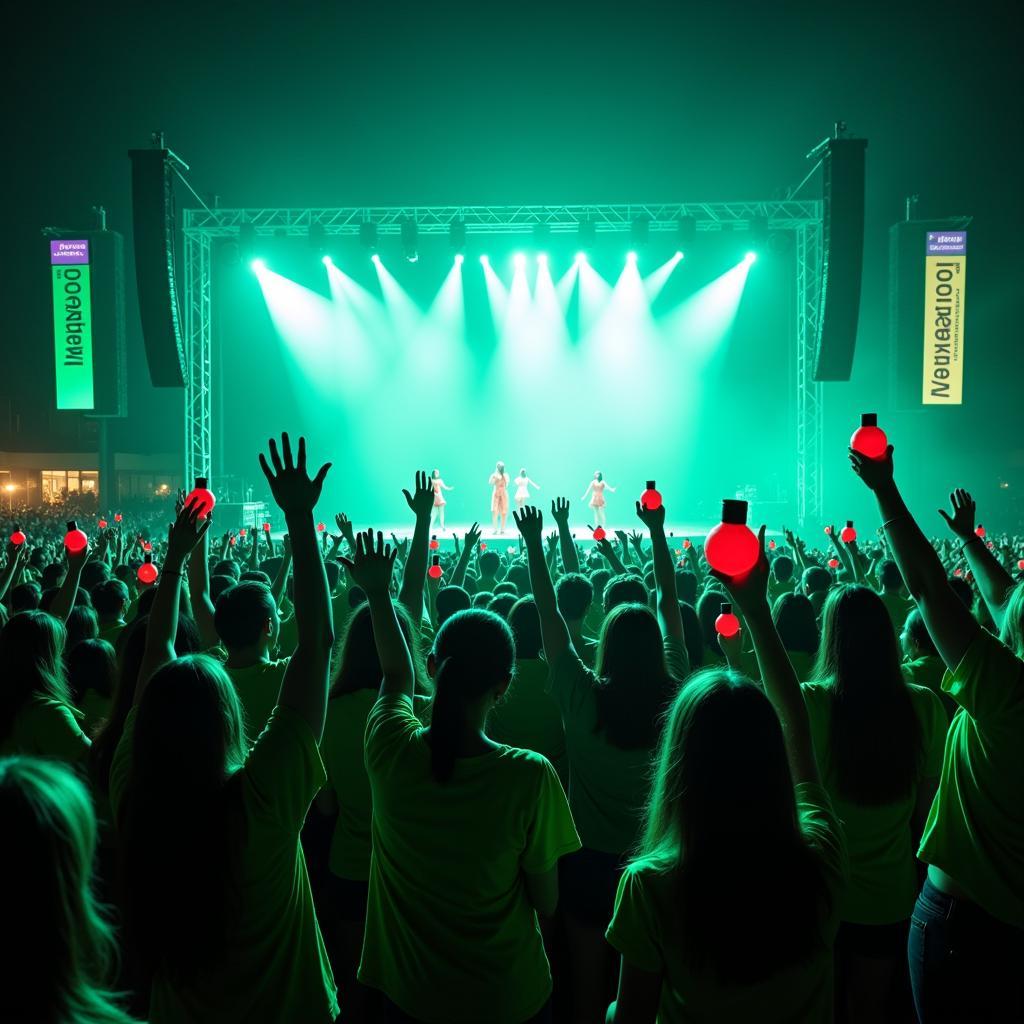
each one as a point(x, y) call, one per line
point(801, 220)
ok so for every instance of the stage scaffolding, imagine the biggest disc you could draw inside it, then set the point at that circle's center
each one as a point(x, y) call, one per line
point(798, 220)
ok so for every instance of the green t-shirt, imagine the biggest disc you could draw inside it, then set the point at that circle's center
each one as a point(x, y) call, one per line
point(929, 672)
point(975, 829)
point(258, 687)
point(450, 934)
point(111, 631)
point(277, 968)
point(47, 728)
point(644, 929)
point(529, 717)
point(898, 608)
point(608, 786)
point(95, 710)
point(883, 876)
point(342, 751)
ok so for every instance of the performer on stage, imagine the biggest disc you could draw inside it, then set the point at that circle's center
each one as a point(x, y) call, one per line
point(596, 489)
point(499, 480)
point(439, 503)
point(523, 484)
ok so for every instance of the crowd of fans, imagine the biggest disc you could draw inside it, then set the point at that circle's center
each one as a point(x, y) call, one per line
point(308, 779)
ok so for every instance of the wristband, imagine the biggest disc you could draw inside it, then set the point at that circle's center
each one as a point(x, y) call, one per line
point(970, 540)
point(889, 522)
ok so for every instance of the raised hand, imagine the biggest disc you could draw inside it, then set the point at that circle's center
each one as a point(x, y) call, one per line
point(345, 528)
point(552, 540)
point(560, 512)
point(421, 501)
point(652, 518)
point(876, 473)
point(472, 537)
point(372, 562)
point(749, 592)
point(179, 500)
point(289, 482)
point(530, 523)
point(186, 532)
point(961, 522)
point(401, 547)
point(623, 538)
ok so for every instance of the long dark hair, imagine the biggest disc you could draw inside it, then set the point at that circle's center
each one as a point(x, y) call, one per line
point(178, 815)
point(31, 645)
point(357, 661)
point(475, 653)
point(722, 788)
point(796, 623)
point(875, 738)
point(633, 683)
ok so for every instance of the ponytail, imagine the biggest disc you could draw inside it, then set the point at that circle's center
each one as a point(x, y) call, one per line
point(447, 718)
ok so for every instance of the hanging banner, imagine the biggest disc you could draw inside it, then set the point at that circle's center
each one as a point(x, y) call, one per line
point(72, 323)
point(945, 278)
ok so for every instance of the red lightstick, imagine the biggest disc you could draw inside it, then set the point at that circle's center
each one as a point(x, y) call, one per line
point(849, 534)
point(771, 545)
point(958, 572)
point(102, 524)
point(731, 547)
point(727, 625)
point(117, 517)
point(320, 527)
point(146, 546)
point(990, 545)
point(231, 541)
point(650, 499)
point(266, 527)
point(434, 572)
point(434, 544)
point(687, 544)
point(828, 531)
point(203, 496)
point(18, 538)
point(148, 571)
point(980, 530)
point(74, 539)
point(869, 439)
point(483, 547)
point(242, 532)
point(1020, 563)
point(600, 533)
point(833, 563)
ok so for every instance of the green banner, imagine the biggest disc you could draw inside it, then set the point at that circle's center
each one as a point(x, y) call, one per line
point(72, 336)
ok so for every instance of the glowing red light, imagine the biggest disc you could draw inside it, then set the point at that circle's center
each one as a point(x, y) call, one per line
point(231, 541)
point(434, 572)
point(990, 545)
point(833, 563)
point(958, 572)
point(434, 543)
point(869, 439)
point(117, 517)
point(483, 547)
point(242, 532)
point(600, 533)
point(1020, 563)
point(848, 534)
point(980, 530)
point(727, 625)
point(75, 540)
point(320, 527)
point(731, 547)
point(828, 531)
point(146, 546)
point(202, 496)
point(148, 571)
point(650, 499)
point(266, 527)
point(18, 538)
point(102, 524)
point(771, 545)
point(687, 544)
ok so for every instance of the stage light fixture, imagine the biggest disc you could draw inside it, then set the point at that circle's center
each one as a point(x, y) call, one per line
point(457, 235)
point(686, 233)
point(679, 254)
point(458, 259)
point(368, 235)
point(519, 261)
point(631, 256)
point(326, 260)
point(376, 258)
point(485, 261)
point(258, 266)
point(751, 257)
point(410, 240)
point(640, 231)
point(581, 257)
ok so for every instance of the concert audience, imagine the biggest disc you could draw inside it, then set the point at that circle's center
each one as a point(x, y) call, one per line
point(552, 792)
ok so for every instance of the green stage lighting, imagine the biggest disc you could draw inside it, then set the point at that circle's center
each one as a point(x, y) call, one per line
point(519, 261)
point(326, 260)
point(751, 256)
point(258, 266)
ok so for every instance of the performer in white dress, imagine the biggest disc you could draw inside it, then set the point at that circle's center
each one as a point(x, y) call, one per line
point(499, 480)
point(596, 489)
point(523, 484)
point(439, 503)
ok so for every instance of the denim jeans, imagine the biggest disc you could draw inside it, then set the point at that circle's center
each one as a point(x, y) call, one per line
point(965, 965)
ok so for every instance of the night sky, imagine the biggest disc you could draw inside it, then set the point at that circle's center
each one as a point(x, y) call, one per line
point(386, 104)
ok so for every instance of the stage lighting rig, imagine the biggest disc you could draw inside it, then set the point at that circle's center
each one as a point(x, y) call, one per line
point(410, 240)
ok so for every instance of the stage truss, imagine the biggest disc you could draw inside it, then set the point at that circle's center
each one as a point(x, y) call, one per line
point(800, 220)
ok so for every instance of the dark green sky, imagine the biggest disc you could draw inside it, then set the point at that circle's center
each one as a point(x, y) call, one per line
point(388, 103)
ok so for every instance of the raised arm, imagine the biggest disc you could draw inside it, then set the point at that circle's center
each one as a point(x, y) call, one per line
point(421, 504)
point(162, 627)
point(951, 626)
point(994, 582)
point(471, 541)
point(587, 491)
point(608, 552)
point(750, 594)
point(14, 558)
point(371, 566)
point(560, 514)
point(280, 584)
point(304, 687)
point(199, 591)
point(65, 599)
point(669, 616)
point(554, 633)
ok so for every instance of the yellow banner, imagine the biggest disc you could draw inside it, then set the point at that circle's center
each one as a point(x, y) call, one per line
point(945, 279)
